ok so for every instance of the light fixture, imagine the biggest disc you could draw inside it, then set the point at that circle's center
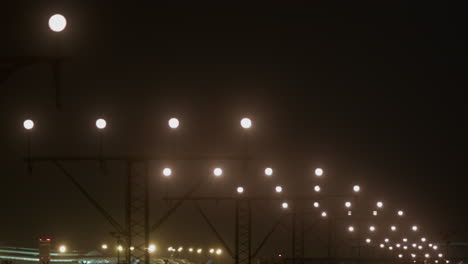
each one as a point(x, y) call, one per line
point(285, 205)
point(400, 213)
point(356, 188)
point(372, 228)
point(62, 249)
point(199, 251)
point(217, 172)
point(374, 213)
point(423, 239)
point(405, 239)
point(151, 248)
point(393, 228)
point(101, 123)
point(316, 204)
point(324, 214)
point(348, 204)
point(104, 246)
point(414, 228)
point(398, 245)
point(278, 189)
point(351, 229)
point(28, 124)
point(173, 123)
point(382, 245)
point(246, 123)
point(379, 204)
point(368, 240)
point(268, 171)
point(119, 248)
point(167, 172)
point(219, 251)
point(317, 188)
point(386, 240)
point(57, 23)
point(318, 172)
point(240, 189)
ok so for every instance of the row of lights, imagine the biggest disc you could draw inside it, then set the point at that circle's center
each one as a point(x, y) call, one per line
point(198, 251)
point(373, 228)
point(151, 248)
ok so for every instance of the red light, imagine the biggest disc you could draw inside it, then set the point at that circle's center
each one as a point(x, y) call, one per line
point(42, 257)
point(48, 239)
point(40, 239)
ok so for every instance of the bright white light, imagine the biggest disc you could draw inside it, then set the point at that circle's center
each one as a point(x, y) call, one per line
point(414, 228)
point(413, 255)
point(351, 228)
point(440, 255)
point(420, 247)
point(386, 240)
point(426, 255)
point(212, 250)
point(167, 172)
point(219, 251)
point(104, 246)
point(348, 204)
point(372, 228)
point(268, 171)
point(398, 245)
point(217, 172)
point(190, 249)
point(316, 204)
point(435, 247)
point(285, 205)
point(430, 245)
point(199, 251)
point(278, 189)
point(379, 204)
point(390, 248)
point(368, 240)
point(246, 123)
point(132, 248)
point(356, 188)
point(393, 228)
point(63, 249)
point(350, 213)
point(405, 247)
point(423, 239)
point(374, 213)
point(180, 249)
point(152, 248)
point(28, 124)
point(101, 123)
point(382, 245)
point(324, 214)
point(400, 255)
point(57, 23)
point(318, 172)
point(317, 188)
point(405, 240)
point(170, 248)
point(119, 248)
point(173, 123)
point(401, 213)
point(240, 189)
point(414, 245)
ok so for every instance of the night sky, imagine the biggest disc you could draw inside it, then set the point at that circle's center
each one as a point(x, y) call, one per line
point(371, 92)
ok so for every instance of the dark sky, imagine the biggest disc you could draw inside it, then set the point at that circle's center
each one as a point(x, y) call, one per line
point(372, 92)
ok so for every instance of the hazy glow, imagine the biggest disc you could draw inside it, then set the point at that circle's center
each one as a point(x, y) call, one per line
point(351, 228)
point(212, 250)
point(387, 240)
point(285, 205)
point(268, 171)
point(423, 239)
point(28, 124)
point(379, 204)
point(152, 248)
point(400, 255)
point(132, 248)
point(324, 214)
point(375, 213)
point(393, 228)
point(382, 245)
point(199, 251)
point(190, 249)
point(119, 248)
point(414, 245)
point(426, 255)
point(372, 228)
point(104, 246)
point(420, 247)
point(390, 248)
point(278, 189)
point(398, 245)
point(101, 123)
point(316, 204)
point(173, 123)
point(180, 249)
point(318, 172)
point(440, 255)
point(435, 247)
point(219, 251)
point(240, 189)
point(218, 172)
point(356, 188)
point(348, 204)
point(401, 213)
point(368, 240)
point(246, 123)
point(414, 228)
point(317, 188)
point(62, 249)
point(57, 23)
point(167, 172)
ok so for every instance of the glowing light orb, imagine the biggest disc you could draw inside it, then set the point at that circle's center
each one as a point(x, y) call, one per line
point(318, 172)
point(173, 123)
point(240, 189)
point(28, 124)
point(167, 172)
point(57, 23)
point(268, 171)
point(217, 172)
point(101, 123)
point(246, 123)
